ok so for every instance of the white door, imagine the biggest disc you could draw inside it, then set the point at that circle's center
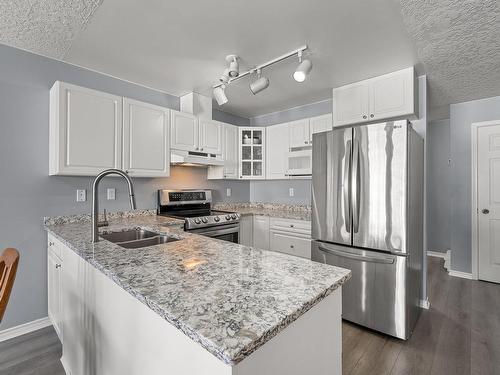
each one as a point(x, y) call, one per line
point(230, 151)
point(320, 124)
point(351, 104)
point(299, 133)
point(392, 95)
point(261, 232)
point(488, 200)
point(146, 139)
point(184, 135)
point(277, 148)
point(210, 136)
point(85, 130)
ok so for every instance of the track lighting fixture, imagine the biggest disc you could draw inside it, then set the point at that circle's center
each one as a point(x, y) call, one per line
point(220, 95)
point(261, 83)
point(224, 78)
point(234, 66)
point(303, 69)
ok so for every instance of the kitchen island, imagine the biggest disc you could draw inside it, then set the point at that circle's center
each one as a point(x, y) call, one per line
point(193, 306)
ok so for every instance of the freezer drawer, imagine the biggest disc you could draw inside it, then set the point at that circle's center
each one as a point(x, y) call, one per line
point(375, 297)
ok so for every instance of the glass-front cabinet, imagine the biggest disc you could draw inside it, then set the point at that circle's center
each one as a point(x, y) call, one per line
point(252, 144)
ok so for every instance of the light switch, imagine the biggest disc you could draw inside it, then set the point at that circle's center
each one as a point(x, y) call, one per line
point(228, 192)
point(81, 195)
point(111, 193)
point(291, 192)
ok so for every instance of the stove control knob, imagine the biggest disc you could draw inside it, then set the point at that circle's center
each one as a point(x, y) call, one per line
point(197, 221)
point(228, 217)
point(233, 216)
point(205, 220)
point(217, 219)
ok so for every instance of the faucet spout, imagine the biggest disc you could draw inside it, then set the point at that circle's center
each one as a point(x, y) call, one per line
point(95, 197)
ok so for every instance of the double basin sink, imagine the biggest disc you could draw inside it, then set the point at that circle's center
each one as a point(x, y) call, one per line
point(137, 238)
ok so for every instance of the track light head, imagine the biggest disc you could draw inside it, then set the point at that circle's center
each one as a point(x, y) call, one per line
point(261, 83)
point(303, 69)
point(224, 78)
point(220, 95)
point(234, 66)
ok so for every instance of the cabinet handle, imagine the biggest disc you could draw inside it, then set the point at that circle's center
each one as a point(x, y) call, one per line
point(364, 116)
point(291, 246)
point(201, 149)
point(372, 115)
point(51, 243)
point(291, 225)
point(305, 142)
point(197, 148)
point(58, 265)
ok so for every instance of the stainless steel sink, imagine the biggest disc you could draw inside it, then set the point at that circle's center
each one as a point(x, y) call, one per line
point(137, 238)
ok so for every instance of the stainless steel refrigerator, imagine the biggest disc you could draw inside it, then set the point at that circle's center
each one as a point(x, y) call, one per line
point(367, 216)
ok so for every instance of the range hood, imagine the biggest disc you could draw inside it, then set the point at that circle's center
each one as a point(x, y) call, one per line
point(179, 157)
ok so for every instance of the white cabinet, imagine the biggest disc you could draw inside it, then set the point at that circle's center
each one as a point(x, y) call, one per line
point(300, 134)
point(320, 124)
point(146, 139)
point(290, 236)
point(184, 134)
point(210, 136)
point(246, 230)
point(261, 232)
point(277, 146)
point(230, 151)
point(252, 153)
point(85, 131)
point(389, 97)
point(189, 133)
point(54, 268)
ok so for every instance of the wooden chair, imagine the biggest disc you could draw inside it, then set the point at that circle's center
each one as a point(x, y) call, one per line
point(8, 268)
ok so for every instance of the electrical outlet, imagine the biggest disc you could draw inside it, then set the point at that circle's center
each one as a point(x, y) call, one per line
point(291, 192)
point(111, 194)
point(81, 195)
point(228, 192)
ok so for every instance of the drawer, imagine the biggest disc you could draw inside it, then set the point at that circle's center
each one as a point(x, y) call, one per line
point(294, 226)
point(284, 242)
point(55, 246)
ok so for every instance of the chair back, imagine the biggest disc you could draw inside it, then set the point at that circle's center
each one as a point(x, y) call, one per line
point(8, 268)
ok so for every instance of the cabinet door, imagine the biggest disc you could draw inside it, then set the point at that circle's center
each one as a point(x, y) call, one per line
point(289, 244)
point(54, 304)
point(85, 130)
point(261, 232)
point(392, 95)
point(252, 153)
point(230, 151)
point(299, 133)
point(320, 124)
point(210, 136)
point(351, 104)
point(146, 139)
point(184, 134)
point(277, 148)
point(246, 230)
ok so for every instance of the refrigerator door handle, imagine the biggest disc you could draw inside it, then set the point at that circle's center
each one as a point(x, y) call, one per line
point(363, 258)
point(355, 186)
point(346, 188)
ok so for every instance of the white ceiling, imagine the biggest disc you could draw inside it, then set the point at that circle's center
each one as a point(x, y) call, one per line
point(180, 46)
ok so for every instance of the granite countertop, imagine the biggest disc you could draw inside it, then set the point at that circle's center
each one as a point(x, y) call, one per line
point(278, 210)
point(229, 298)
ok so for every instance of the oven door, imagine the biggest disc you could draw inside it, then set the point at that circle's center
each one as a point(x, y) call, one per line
point(230, 233)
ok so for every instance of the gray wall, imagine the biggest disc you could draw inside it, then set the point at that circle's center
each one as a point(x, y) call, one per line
point(27, 193)
point(438, 186)
point(230, 118)
point(462, 115)
point(278, 190)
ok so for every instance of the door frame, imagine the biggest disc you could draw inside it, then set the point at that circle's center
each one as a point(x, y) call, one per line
point(474, 203)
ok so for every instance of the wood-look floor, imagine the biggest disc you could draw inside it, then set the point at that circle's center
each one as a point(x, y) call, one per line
point(460, 334)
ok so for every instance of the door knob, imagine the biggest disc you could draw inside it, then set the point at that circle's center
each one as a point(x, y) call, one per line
point(485, 211)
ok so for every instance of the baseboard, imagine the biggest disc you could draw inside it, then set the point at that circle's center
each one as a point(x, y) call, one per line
point(425, 304)
point(463, 275)
point(25, 328)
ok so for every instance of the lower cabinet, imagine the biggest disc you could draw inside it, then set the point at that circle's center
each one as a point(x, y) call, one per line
point(290, 243)
point(54, 271)
point(261, 232)
point(246, 230)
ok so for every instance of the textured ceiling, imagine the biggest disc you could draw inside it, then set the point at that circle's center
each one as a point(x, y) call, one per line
point(47, 27)
point(458, 45)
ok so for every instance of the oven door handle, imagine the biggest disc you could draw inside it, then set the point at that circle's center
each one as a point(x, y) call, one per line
point(219, 232)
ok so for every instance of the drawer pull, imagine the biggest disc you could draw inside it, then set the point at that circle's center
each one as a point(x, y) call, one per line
point(51, 243)
point(291, 246)
point(58, 265)
point(291, 225)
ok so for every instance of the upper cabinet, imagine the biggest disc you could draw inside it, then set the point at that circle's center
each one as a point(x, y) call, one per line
point(252, 143)
point(300, 134)
point(389, 97)
point(230, 152)
point(189, 133)
point(85, 131)
point(146, 146)
point(320, 124)
point(91, 131)
point(277, 146)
